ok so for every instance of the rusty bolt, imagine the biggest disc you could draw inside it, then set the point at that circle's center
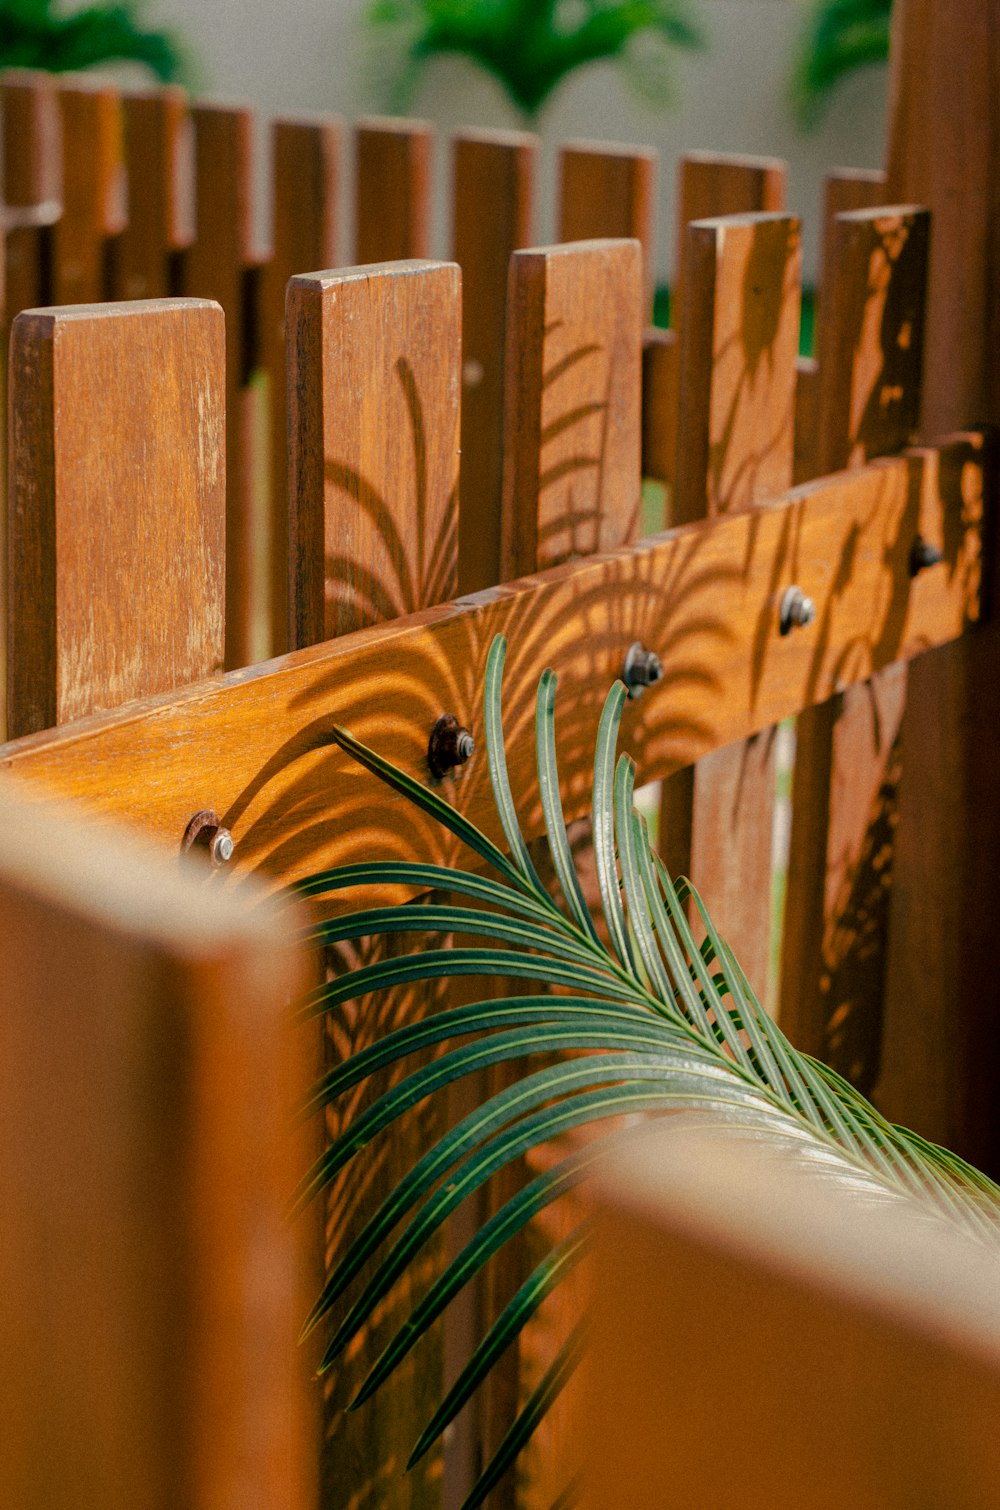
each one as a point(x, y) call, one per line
point(796, 610)
point(642, 669)
point(450, 745)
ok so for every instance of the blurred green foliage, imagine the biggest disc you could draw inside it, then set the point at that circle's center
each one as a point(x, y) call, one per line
point(839, 36)
point(38, 34)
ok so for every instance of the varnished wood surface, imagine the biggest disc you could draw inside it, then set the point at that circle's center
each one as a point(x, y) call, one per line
point(255, 746)
point(93, 190)
point(859, 1339)
point(160, 210)
point(151, 1294)
point(115, 553)
point(606, 190)
point(572, 406)
point(32, 182)
point(306, 170)
point(714, 183)
point(392, 189)
point(486, 229)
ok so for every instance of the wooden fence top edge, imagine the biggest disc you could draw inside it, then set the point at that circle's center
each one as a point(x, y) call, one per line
point(611, 149)
point(399, 125)
point(489, 136)
point(735, 160)
point(748, 217)
point(122, 309)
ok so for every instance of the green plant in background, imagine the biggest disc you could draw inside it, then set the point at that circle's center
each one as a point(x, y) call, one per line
point(839, 36)
point(530, 46)
point(36, 34)
point(652, 1020)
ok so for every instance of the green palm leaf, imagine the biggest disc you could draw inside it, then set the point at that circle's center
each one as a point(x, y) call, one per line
point(657, 1016)
point(839, 36)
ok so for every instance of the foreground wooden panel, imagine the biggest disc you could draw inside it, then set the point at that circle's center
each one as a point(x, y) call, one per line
point(255, 744)
point(150, 1280)
point(854, 1347)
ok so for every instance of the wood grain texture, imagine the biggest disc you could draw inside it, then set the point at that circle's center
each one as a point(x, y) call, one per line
point(255, 744)
point(306, 171)
point(150, 1277)
point(739, 340)
point(217, 266)
point(572, 405)
point(159, 151)
point(392, 189)
point(712, 184)
point(374, 373)
point(870, 343)
point(860, 1343)
point(942, 153)
point(94, 190)
point(117, 477)
point(487, 228)
point(31, 130)
point(607, 190)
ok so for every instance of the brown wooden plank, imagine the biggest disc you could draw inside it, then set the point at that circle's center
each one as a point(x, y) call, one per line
point(857, 1337)
point(94, 190)
point(149, 1274)
point(306, 154)
point(712, 184)
point(847, 752)
point(697, 595)
point(392, 189)
point(739, 340)
point(158, 148)
point(32, 183)
point(572, 414)
point(942, 154)
point(216, 266)
point(374, 372)
point(487, 228)
point(607, 190)
point(116, 524)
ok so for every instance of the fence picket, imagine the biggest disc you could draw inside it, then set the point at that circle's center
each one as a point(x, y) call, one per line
point(32, 184)
point(870, 345)
point(93, 189)
point(158, 150)
point(609, 190)
point(116, 554)
point(486, 230)
point(145, 1082)
point(392, 189)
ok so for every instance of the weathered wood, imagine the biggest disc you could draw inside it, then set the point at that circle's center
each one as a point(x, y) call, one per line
point(739, 339)
point(158, 148)
point(115, 549)
point(257, 742)
point(572, 418)
point(607, 190)
point(146, 1076)
point(392, 189)
point(306, 170)
point(93, 190)
point(487, 229)
point(858, 1338)
point(847, 754)
point(217, 266)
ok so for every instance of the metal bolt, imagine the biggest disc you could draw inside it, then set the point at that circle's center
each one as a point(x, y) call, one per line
point(796, 610)
point(642, 668)
point(923, 555)
point(205, 833)
point(450, 745)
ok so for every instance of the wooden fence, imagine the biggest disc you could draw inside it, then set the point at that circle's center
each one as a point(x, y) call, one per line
point(131, 554)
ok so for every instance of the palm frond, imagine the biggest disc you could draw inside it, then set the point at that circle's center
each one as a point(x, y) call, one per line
point(656, 1016)
point(838, 37)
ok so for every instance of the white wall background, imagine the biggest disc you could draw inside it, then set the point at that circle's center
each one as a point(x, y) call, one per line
point(317, 55)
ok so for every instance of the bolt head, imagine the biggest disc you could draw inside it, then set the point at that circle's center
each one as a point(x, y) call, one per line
point(796, 610)
point(222, 847)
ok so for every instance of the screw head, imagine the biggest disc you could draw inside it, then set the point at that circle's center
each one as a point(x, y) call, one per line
point(205, 835)
point(450, 745)
point(923, 555)
point(643, 668)
point(797, 611)
point(221, 847)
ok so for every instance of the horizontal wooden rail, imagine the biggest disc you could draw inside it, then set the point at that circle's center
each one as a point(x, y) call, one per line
point(255, 744)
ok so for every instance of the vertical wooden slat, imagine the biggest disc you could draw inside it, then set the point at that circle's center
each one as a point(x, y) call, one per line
point(32, 184)
point(392, 189)
point(117, 477)
point(158, 149)
point(847, 755)
point(216, 266)
point(739, 339)
point(940, 1061)
point(306, 171)
point(94, 191)
point(487, 228)
point(148, 1272)
point(374, 374)
point(610, 190)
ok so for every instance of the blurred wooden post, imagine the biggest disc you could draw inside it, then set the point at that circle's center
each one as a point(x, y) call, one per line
point(116, 547)
point(150, 1279)
point(305, 173)
point(611, 191)
point(32, 184)
point(94, 209)
point(392, 189)
point(158, 151)
point(374, 358)
point(941, 1058)
point(487, 228)
point(739, 339)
